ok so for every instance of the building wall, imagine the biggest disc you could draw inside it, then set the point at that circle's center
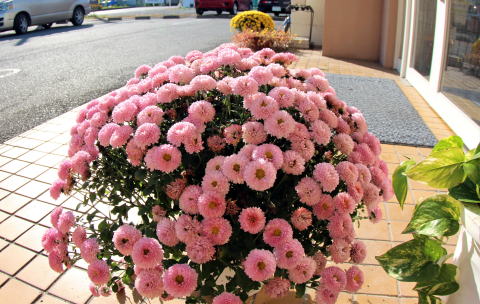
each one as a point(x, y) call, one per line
point(389, 33)
point(300, 25)
point(353, 29)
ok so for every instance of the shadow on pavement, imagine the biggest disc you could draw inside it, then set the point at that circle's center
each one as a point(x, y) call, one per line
point(40, 31)
point(224, 15)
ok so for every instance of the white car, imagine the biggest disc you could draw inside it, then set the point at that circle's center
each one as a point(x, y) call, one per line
point(20, 14)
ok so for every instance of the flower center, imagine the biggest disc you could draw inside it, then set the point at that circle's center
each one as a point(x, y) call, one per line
point(259, 173)
point(146, 251)
point(356, 278)
point(325, 206)
point(214, 183)
point(124, 241)
point(269, 155)
point(179, 279)
point(215, 230)
point(280, 121)
point(277, 232)
point(212, 205)
point(261, 265)
point(167, 157)
point(289, 254)
point(236, 168)
point(217, 167)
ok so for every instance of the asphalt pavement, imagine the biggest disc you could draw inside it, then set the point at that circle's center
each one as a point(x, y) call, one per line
point(45, 73)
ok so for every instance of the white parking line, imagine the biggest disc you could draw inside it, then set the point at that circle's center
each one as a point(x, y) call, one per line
point(8, 72)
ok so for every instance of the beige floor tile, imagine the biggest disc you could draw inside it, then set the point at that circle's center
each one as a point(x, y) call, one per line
point(13, 182)
point(47, 147)
point(408, 300)
point(15, 291)
point(32, 171)
point(14, 166)
point(45, 197)
point(32, 156)
point(48, 176)
point(32, 239)
point(395, 213)
point(13, 202)
point(3, 278)
point(377, 281)
point(397, 228)
point(33, 189)
point(38, 273)
point(50, 160)
point(375, 248)
point(28, 143)
point(371, 231)
point(406, 289)
point(13, 258)
point(15, 152)
point(372, 299)
point(3, 244)
point(3, 193)
point(35, 211)
point(48, 299)
point(13, 227)
point(73, 286)
point(3, 216)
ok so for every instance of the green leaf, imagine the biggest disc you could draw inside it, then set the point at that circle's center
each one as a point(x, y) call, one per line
point(442, 285)
point(413, 261)
point(465, 192)
point(448, 143)
point(472, 170)
point(399, 180)
point(300, 290)
point(441, 169)
point(436, 216)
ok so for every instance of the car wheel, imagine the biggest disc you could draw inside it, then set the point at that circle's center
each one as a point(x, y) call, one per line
point(20, 24)
point(199, 11)
point(47, 26)
point(234, 9)
point(219, 12)
point(78, 16)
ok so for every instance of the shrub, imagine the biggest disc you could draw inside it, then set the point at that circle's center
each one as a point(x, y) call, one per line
point(252, 20)
point(276, 40)
point(219, 162)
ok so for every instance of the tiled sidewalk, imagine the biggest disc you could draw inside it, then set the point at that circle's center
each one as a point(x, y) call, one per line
point(27, 166)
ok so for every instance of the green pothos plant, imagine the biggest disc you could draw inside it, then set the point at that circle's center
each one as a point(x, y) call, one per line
point(424, 259)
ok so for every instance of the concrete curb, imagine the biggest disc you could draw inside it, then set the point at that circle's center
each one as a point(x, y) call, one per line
point(162, 16)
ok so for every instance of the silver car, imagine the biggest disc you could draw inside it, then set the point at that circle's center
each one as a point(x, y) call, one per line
point(20, 14)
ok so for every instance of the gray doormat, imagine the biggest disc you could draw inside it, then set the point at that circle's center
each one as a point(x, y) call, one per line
point(389, 114)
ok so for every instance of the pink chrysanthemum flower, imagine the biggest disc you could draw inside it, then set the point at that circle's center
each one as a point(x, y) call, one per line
point(305, 148)
point(347, 172)
point(321, 132)
point(233, 168)
point(187, 228)
point(203, 83)
point(354, 279)
point(165, 158)
point(55, 216)
point(340, 251)
point(175, 188)
point(247, 151)
point(269, 152)
point(344, 203)
point(329, 118)
point(371, 195)
point(263, 107)
point(166, 232)
point(301, 218)
point(308, 191)
point(180, 74)
point(147, 253)
point(125, 237)
point(134, 153)
point(233, 134)
point(64, 169)
point(120, 136)
point(372, 142)
point(202, 110)
point(124, 112)
point(293, 163)
point(334, 278)
point(344, 143)
point(149, 283)
point(79, 236)
point(167, 92)
point(325, 207)
point(146, 135)
point(57, 188)
point(356, 191)
point(218, 230)
point(320, 261)
point(283, 96)
point(358, 252)
point(262, 75)
point(227, 298)
point(340, 226)
point(303, 270)
point(180, 131)
point(106, 132)
point(228, 56)
point(98, 272)
point(260, 265)
point(376, 215)
point(280, 124)
point(89, 250)
point(308, 109)
point(225, 85)
point(142, 70)
point(200, 250)
point(360, 122)
point(189, 199)
point(180, 280)
point(343, 128)
point(327, 176)
point(245, 86)
point(94, 290)
point(300, 132)
point(216, 143)
point(55, 261)
point(277, 287)
point(51, 238)
point(277, 231)
point(215, 164)
point(211, 204)
point(325, 295)
point(215, 182)
point(289, 253)
point(364, 175)
point(158, 213)
point(260, 174)
point(253, 132)
point(252, 220)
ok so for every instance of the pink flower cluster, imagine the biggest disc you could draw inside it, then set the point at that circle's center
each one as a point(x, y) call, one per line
point(173, 122)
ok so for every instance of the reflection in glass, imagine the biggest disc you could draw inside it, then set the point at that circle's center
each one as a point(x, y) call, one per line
point(461, 77)
point(424, 34)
